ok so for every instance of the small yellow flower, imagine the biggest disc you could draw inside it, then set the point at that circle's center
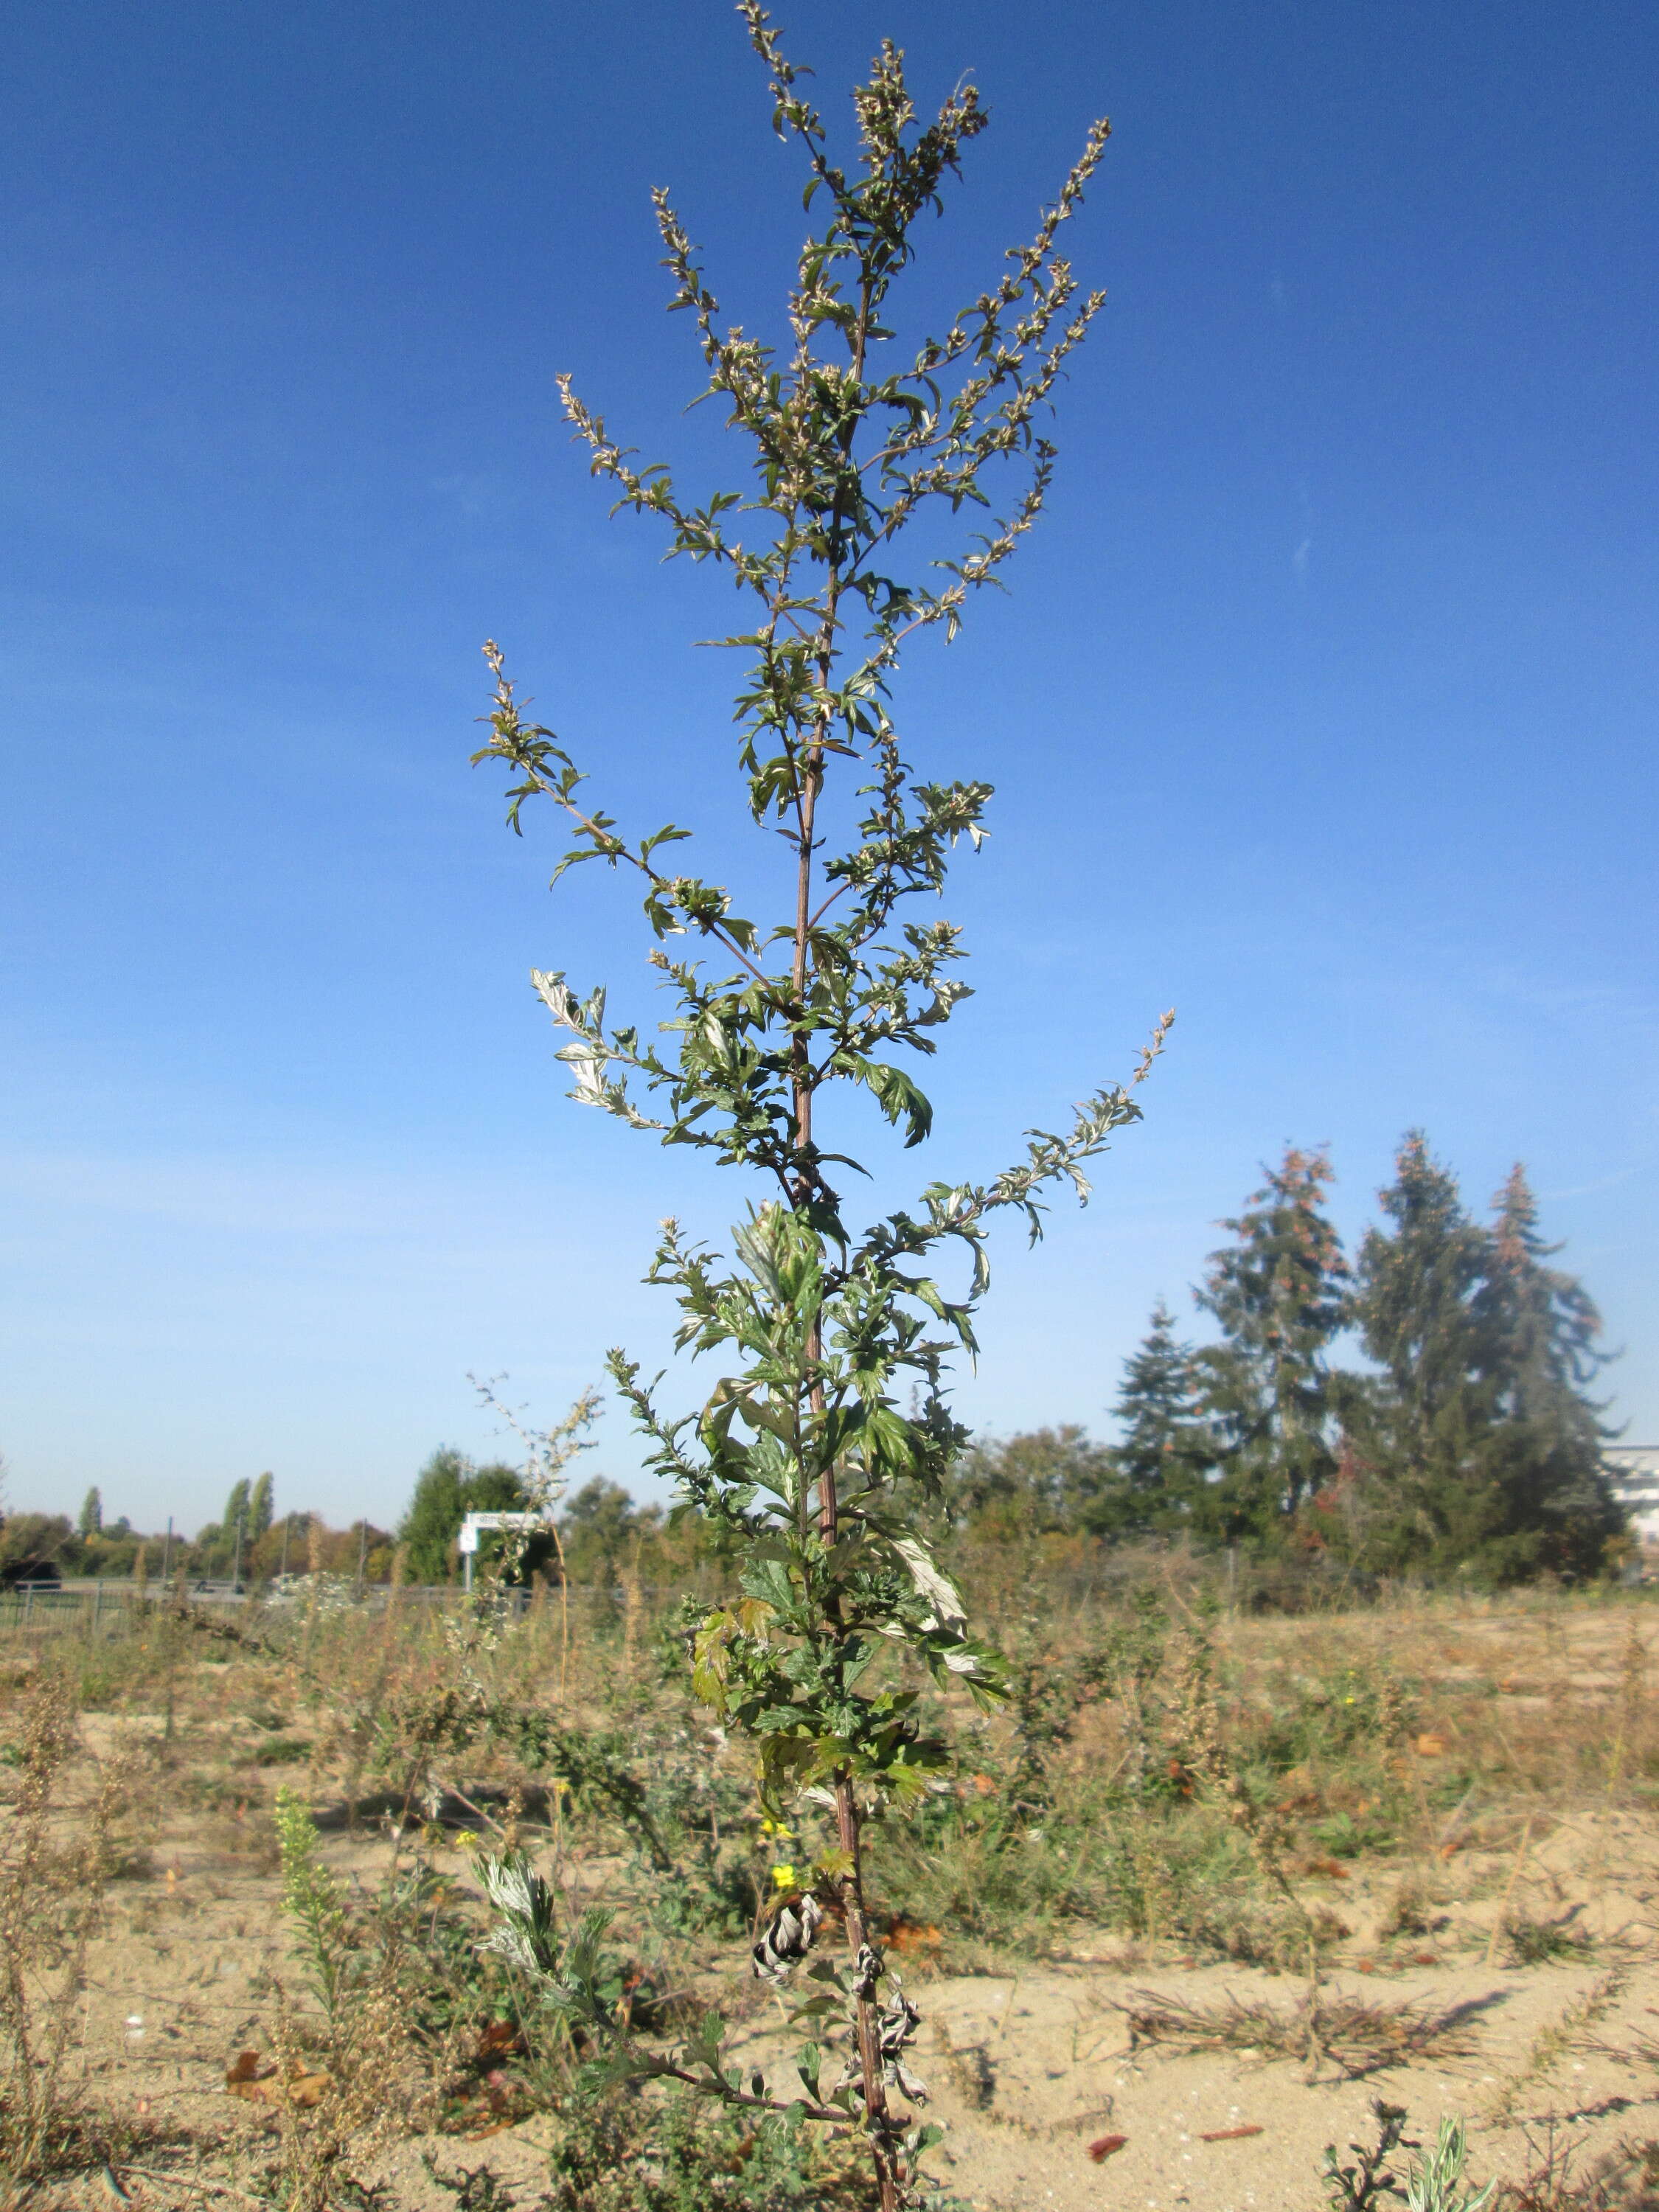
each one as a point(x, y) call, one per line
point(780, 1831)
point(784, 1875)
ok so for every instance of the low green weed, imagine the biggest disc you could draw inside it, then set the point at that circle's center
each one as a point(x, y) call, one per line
point(676, 2154)
point(1335, 1715)
point(1344, 1836)
point(1432, 2184)
point(280, 1751)
point(1529, 1942)
point(313, 1898)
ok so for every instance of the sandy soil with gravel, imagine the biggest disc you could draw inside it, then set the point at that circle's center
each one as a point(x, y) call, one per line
point(1029, 2067)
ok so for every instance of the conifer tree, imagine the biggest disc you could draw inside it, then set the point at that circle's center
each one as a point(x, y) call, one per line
point(1278, 1292)
point(1415, 1427)
point(1160, 1461)
point(1549, 1505)
point(259, 1509)
point(1479, 1450)
point(1414, 1289)
point(92, 1513)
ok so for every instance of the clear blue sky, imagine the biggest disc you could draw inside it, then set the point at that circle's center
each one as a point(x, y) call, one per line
point(1323, 708)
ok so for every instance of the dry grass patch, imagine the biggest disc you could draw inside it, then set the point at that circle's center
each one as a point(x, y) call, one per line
point(1361, 2036)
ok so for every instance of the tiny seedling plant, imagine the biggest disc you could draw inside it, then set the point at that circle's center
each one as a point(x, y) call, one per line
point(818, 1448)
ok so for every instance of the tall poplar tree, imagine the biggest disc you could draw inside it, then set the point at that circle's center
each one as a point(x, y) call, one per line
point(259, 1508)
point(235, 1510)
point(1278, 1291)
point(92, 1512)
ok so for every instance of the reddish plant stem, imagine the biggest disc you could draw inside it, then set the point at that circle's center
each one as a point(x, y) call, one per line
point(867, 2031)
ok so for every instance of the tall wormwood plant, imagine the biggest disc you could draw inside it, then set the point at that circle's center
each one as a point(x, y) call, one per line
point(802, 1450)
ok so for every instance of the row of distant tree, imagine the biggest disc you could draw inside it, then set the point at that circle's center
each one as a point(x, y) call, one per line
point(600, 1527)
point(248, 1539)
point(1468, 1443)
point(1459, 1437)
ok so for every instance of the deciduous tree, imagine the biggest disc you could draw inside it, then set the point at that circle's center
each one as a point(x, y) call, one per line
point(1040, 1481)
point(235, 1510)
point(447, 1488)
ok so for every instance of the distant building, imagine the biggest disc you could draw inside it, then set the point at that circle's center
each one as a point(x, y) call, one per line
point(1635, 1472)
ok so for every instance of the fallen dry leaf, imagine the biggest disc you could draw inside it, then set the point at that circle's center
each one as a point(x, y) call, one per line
point(1430, 1746)
point(259, 2085)
point(246, 2073)
point(1102, 2146)
point(910, 1935)
point(496, 2039)
point(1230, 2134)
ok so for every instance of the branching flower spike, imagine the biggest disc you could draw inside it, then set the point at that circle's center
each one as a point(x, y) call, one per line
point(829, 1427)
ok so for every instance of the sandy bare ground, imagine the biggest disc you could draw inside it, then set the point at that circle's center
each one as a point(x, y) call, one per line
point(1029, 2066)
